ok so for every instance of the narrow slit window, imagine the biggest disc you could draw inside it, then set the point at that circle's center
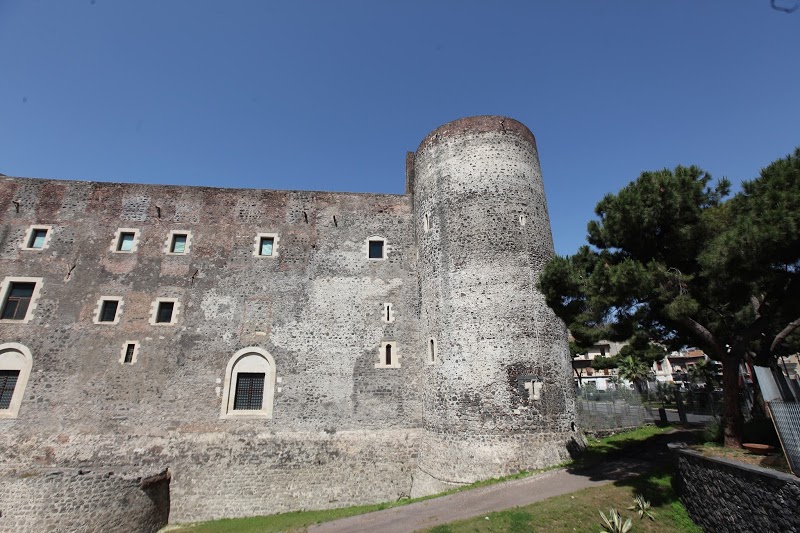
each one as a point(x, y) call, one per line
point(432, 351)
point(388, 355)
point(37, 239)
point(125, 243)
point(249, 394)
point(376, 249)
point(130, 349)
point(19, 298)
point(164, 313)
point(8, 382)
point(108, 310)
point(427, 223)
point(388, 313)
point(178, 245)
point(266, 245)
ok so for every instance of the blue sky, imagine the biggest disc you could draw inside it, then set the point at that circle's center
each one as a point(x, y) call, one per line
point(329, 95)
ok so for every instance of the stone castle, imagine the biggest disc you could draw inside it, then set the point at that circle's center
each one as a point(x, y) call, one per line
point(277, 350)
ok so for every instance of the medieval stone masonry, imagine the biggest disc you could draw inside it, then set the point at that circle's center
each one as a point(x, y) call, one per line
point(279, 350)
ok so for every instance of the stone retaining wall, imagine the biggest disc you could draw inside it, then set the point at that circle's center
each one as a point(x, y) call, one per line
point(728, 496)
point(68, 500)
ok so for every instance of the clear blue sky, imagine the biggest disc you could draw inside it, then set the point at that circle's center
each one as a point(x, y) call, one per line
point(329, 95)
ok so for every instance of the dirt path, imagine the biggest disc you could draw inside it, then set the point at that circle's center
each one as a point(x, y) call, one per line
point(483, 500)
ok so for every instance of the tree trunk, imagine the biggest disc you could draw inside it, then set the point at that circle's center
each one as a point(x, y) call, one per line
point(732, 414)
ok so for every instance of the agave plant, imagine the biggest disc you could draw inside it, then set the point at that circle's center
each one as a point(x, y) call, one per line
point(613, 522)
point(642, 507)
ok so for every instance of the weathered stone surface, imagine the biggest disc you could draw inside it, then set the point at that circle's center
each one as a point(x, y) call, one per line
point(724, 496)
point(97, 500)
point(342, 431)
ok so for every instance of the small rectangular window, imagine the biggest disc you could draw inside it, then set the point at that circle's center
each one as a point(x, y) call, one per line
point(8, 381)
point(19, 298)
point(108, 310)
point(265, 246)
point(37, 239)
point(125, 243)
point(129, 351)
point(164, 313)
point(375, 249)
point(249, 391)
point(178, 245)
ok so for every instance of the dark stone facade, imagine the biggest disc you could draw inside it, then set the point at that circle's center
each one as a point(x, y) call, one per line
point(464, 248)
point(727, 496)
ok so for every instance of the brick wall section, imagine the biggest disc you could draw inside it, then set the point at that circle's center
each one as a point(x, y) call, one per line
point(84, 501)
point(730, 497)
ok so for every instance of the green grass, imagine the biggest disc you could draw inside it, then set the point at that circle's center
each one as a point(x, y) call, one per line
point(597, 451)
point(579, 511)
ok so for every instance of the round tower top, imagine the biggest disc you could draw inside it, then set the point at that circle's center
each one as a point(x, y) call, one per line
point(479, 124)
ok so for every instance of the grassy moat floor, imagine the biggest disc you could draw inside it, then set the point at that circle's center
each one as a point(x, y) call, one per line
point(575, 512)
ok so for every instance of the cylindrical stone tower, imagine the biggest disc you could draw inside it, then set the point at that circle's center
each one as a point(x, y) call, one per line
point(498, 394)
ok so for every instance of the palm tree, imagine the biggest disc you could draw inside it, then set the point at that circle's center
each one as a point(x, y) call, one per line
point(633, 370)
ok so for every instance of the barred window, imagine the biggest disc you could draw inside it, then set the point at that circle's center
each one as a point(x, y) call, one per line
point(8, 381)
point(249, 391)
point(129, 351)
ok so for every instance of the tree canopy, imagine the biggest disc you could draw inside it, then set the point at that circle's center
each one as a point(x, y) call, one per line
point(671, 260)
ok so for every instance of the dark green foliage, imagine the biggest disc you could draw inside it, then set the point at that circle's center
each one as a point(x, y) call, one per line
point(671, 262)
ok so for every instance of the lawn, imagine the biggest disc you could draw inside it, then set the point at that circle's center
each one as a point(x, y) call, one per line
point(579, 511)
point(575, 512)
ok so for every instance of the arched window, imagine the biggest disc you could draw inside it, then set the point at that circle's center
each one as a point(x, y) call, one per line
point(15, 367)
point(388, 356)
point(249, 385)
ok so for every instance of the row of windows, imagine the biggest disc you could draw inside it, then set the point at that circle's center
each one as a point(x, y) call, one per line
point(19, 296)
point(248, 390)
point(126, 240)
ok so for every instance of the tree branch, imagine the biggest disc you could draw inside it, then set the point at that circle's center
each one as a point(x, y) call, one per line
point(707, 338)
point(783, 334)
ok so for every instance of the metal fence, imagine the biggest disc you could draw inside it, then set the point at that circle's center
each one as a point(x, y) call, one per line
point(786, 416)
point(600, 411)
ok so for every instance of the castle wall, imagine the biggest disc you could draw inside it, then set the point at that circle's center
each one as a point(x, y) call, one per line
point(316, 308)
point(97, 501)
point(483, 236)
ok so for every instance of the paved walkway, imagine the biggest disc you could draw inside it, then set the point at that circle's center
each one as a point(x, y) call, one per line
point(515, 493)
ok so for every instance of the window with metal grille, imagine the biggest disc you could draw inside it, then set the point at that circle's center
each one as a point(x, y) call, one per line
point(19, 298)
point(8, 381)
point(266, 246)
point(178, 245)
point(375, 249)
point(125, 242)
point(108, 310)
point(129, 350)
point(249, 391)
point(37, 239)
point(164, 313)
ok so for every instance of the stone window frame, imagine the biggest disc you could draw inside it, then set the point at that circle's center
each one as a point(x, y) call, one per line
point(257, 245)
point(134, 357)
point(99, 309)
point(382, 355)
point(426, 222)
point(171, 237)
point(26, 243)
point(432, 351)
point(24, 368)
point(385, 248)
point(4, 290)
point(115, 242)
point(229, 387)
point(154, 311)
